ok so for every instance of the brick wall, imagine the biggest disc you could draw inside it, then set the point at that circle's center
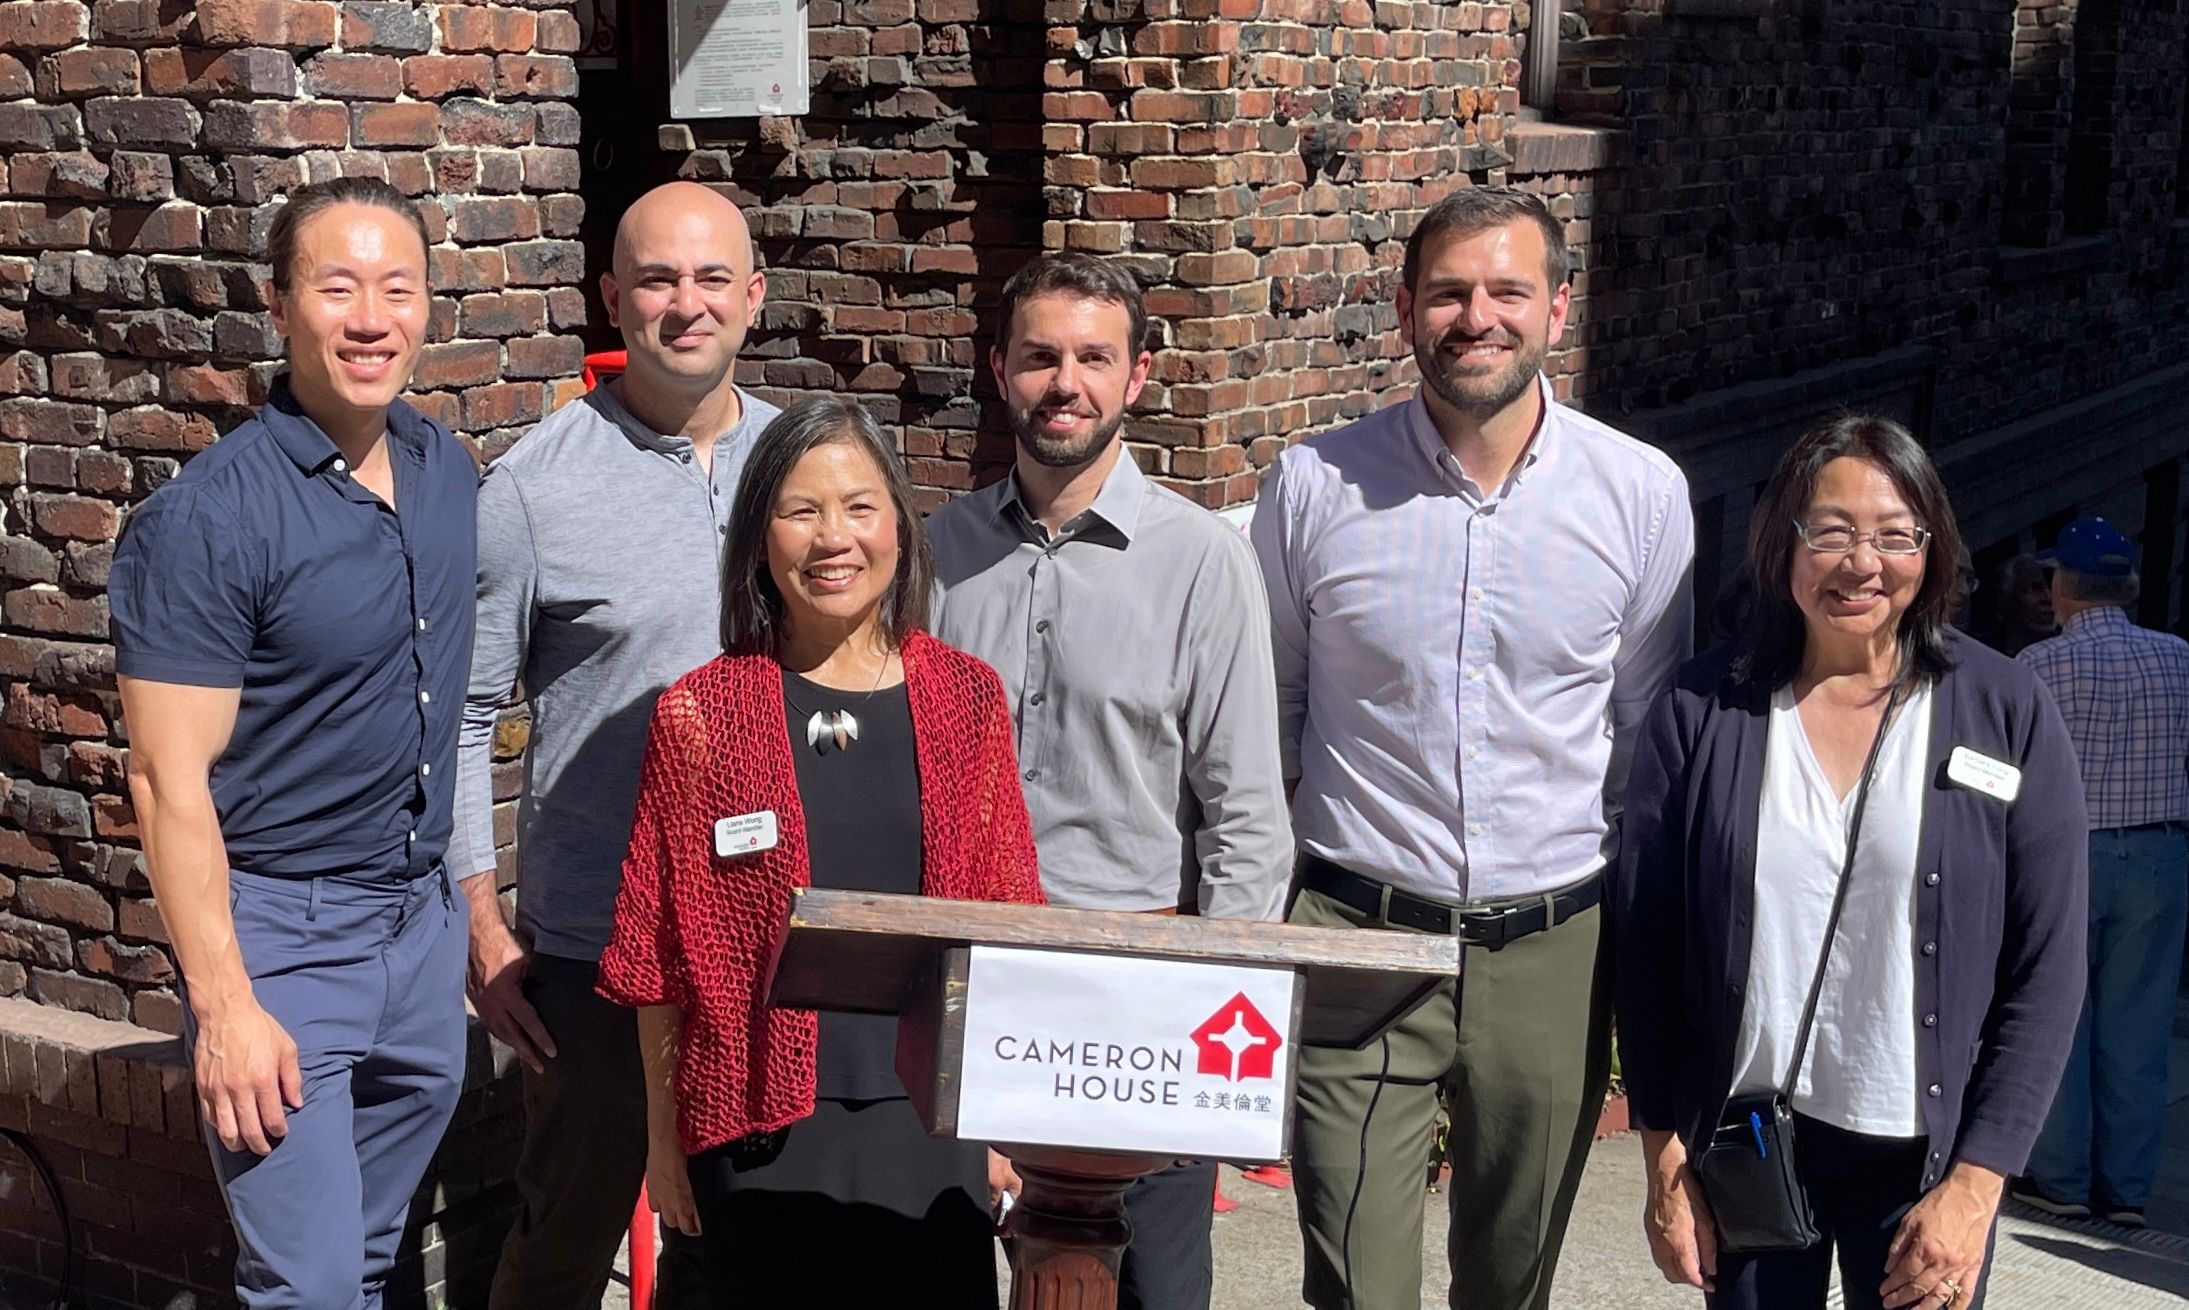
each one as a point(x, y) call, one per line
point(1258, 161)
point(139, 142)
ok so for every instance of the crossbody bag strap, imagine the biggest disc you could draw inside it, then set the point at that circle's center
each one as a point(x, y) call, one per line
point(1839, 894)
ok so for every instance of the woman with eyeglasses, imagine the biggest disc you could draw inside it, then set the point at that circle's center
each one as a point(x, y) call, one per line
point(1849, 909)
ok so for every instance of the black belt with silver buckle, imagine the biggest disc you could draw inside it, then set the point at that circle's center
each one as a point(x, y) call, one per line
point(1491, 925)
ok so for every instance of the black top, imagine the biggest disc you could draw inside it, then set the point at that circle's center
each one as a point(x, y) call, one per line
point(862, 806)
point(346, 624)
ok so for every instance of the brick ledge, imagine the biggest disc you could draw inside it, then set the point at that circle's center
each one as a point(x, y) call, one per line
point(1541, 148)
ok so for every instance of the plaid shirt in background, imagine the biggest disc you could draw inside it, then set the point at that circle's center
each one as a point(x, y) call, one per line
point(2124, 691)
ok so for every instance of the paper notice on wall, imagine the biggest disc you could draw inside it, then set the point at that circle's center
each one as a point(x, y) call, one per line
point(737, 58)
point(1118, 1053)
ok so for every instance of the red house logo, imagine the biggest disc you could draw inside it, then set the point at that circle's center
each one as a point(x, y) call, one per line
point(1237, 1043)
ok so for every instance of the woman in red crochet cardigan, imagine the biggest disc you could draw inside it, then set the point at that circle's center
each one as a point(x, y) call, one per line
point(833, 744)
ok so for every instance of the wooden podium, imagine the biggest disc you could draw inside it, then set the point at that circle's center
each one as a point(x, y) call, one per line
point(953, 968)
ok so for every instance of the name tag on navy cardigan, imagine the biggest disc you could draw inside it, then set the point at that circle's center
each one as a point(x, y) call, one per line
point(742, 834)
point(1977, 772)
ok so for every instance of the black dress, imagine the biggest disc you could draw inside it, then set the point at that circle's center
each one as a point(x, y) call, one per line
point(858, 1205)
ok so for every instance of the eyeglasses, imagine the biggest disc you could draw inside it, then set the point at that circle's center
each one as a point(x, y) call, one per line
point(1835, 540)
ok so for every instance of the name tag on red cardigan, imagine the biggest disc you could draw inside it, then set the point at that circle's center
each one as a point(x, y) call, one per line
point(1998, 780)
point(743, 834)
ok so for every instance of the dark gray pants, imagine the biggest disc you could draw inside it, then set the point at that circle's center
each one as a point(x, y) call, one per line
point(368, 981)
point(584, 1155)
point(1169, 1265)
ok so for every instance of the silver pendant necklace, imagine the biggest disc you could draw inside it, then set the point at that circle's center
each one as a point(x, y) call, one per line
point(827, 728)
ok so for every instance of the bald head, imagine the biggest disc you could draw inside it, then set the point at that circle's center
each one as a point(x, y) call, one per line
point(683, 291)
point(684, 214)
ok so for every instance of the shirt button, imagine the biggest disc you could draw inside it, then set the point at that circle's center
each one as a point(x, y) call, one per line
point(1032, 774)
point(1474, 830)
point(341, 466)
point(1930, 1021)
point(1930, 948)
point(1474, 593)
point(1930, 880)
point(1037, 698)
point(421, 625)
point(425, 698)
point(1934, 1091)
point(1474, 752)
point(1042, 626)
point(425, 770)
point(412, 835)
point(1475, 673)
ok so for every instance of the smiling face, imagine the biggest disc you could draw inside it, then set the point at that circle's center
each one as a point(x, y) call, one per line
point(1862, 594)
point(832, 540)
point(355, 313)
point(683, 291)
point(1068, 373)
point(1482, 316)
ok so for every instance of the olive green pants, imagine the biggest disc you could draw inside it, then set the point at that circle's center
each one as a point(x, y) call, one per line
point(1520, 1045)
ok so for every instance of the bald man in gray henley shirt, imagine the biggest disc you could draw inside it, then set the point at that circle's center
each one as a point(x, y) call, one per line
point(599, 584)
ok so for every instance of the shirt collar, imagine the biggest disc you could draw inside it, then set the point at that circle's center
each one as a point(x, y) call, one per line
point(1118, 504)
point(1430, 443)
point(310, 448)
point(2097, 616)
point(603, 400)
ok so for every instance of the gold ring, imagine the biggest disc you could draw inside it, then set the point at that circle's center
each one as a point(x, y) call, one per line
point(1953, 1291)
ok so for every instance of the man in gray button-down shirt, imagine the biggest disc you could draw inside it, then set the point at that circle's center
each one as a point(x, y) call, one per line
point(599, 584)
point(1132, 633)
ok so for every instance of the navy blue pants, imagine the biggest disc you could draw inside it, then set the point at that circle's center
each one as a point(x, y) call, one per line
point(368, 981)
point(1861, 1188)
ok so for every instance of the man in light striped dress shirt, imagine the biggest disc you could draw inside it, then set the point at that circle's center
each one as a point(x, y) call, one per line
point(2124, 691)
point(1475, 596)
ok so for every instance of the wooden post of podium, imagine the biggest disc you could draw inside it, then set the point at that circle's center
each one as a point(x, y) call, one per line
point(872, 953)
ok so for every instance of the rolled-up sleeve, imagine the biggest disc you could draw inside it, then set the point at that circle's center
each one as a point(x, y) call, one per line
point(1272, 534)
point(184, 592)
point(508, 581)
point(2037, 994)
point(1244, 841)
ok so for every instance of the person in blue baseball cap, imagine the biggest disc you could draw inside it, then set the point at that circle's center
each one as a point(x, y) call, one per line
point(2124, 691)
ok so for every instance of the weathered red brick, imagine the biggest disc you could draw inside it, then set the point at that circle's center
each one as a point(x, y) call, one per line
point(469, 27)
point(237, 126)
point(545, 263)
point(33, 25)
point(140, 176)
point(471, 122)
point(543, 76)
point(458, 364)
point(210, 384)
point(74, 174)
point(257, 73)
point(396, 125)
point(389, 26)
point(15, 78)
point(481, 219)
point(505, 314)
point(437, 77)
point(503, 405)
point(545, 357)
point(354, 77)
point(157, 428)
point(559, 33)
point(74, 518)
point(58, 900)
point(291, 24)
point(88, 71)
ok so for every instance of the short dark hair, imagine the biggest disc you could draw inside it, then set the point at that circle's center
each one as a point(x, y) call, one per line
point(1073, 273)
point(752, 607)
point(1480, 208)
point(314, 198)
point(1773, 634)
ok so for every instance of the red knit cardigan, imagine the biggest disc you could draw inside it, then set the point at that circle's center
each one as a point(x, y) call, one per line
point(697, 931)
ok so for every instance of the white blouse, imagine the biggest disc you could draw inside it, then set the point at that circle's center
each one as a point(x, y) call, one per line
point(1859, 1072)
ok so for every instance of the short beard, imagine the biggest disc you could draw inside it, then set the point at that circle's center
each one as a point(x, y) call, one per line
point(1060, 454)
point(1503, 390)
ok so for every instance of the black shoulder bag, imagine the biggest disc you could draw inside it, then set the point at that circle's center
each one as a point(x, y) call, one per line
point(1747, 1171)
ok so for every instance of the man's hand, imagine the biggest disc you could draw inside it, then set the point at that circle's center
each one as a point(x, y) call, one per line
point(1683, 1238)
point(1002, 1180)
point(247, 1077)
point(494, 978)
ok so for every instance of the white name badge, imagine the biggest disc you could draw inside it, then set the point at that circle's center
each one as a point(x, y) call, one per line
point(2001, 782)
point(742, 834)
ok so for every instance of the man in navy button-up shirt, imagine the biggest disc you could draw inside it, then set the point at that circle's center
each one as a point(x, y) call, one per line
point(292, 621)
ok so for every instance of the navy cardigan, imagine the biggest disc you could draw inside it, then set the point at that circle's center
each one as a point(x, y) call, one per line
point(2000, 933)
